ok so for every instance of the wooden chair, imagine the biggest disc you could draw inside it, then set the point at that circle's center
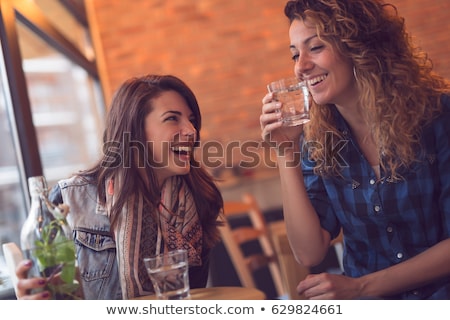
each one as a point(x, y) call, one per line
point(338, 244)
point(234, 238)
point(13, 255)
point(291, 271)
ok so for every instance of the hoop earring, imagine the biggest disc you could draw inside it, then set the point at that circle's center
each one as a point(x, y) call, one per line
point(354, 74)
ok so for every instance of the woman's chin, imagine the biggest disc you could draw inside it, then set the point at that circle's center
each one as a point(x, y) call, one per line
point(180, 170)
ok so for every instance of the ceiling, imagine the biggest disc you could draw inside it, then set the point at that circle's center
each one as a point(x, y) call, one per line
point(58, 15)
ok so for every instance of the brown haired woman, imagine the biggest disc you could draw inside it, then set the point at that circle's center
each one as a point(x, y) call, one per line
point(147, 194)
point(375, 156)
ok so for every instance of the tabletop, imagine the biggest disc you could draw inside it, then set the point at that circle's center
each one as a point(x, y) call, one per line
point(220, 293)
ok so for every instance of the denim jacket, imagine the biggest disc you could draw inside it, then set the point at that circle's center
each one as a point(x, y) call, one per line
point(95, 245)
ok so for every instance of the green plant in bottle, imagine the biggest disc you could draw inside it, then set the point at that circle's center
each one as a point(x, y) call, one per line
point(55, 256)
point(46, 239)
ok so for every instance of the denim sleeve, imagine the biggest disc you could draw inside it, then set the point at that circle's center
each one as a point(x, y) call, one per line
point(319, 199)
point(442, 140)
point(55, 195)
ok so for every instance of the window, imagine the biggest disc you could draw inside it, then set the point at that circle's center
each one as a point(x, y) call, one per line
point(64, 109)
point(51, 110)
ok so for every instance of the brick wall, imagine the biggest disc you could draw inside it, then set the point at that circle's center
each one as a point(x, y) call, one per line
point(429, 24)
point(226, 50)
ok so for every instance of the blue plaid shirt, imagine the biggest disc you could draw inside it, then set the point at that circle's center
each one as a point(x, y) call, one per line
point(387, 222)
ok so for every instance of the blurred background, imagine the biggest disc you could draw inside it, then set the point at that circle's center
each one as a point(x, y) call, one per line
point(62, 60)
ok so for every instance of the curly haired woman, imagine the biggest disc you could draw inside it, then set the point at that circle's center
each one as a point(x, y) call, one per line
point(375, 156)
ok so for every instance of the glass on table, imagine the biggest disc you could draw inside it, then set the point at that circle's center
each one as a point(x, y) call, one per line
point(169, 274)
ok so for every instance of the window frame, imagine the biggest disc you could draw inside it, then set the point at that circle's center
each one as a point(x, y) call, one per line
point(24, 133)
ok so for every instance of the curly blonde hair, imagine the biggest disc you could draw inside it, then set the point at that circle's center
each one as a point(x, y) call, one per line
point(399, 90)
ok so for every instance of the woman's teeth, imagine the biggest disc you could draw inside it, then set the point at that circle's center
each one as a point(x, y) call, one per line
point(182, 149)
point(316, 80)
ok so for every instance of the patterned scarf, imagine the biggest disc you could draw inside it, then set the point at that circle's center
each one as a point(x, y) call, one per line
point(137, 234)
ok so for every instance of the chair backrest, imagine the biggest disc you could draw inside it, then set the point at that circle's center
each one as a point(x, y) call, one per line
point(291, 271)
point(13, 255)
point(234, 238)
point(338, 244)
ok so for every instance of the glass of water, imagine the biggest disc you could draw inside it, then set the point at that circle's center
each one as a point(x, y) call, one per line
point(169, 274)
point(295, 100)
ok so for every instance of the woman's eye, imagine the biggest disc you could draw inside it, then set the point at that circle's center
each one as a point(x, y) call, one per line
point(171, 118)
point(316, 48)
point(295, 57)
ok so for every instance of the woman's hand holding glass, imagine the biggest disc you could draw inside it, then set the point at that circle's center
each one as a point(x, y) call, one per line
point(272, 129)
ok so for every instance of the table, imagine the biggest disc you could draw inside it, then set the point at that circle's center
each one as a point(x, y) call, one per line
point(220, 293)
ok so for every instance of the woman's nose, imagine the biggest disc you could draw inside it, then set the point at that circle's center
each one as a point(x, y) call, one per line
point(303, 64)
point(188, 130)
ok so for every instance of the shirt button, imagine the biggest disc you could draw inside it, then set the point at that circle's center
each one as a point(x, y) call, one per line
point(376, 208)
point(372, 181)
point(389, 229)
point(399, 255)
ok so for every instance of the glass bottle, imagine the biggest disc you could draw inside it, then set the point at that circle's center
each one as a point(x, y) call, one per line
point(46, 239)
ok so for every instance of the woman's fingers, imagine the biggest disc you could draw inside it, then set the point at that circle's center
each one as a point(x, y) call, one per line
point(22, 268)
point(25, 285)
point(267, 98)
point(268, 127)
point(270, 116)
point(273, 130)
point(270, 106)
point(43, 295)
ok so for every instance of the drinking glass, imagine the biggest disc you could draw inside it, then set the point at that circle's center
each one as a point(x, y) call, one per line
point(169, 274)
point(295, 99)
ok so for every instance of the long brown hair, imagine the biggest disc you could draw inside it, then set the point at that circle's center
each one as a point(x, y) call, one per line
point(399, 90)
point(126, 118)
